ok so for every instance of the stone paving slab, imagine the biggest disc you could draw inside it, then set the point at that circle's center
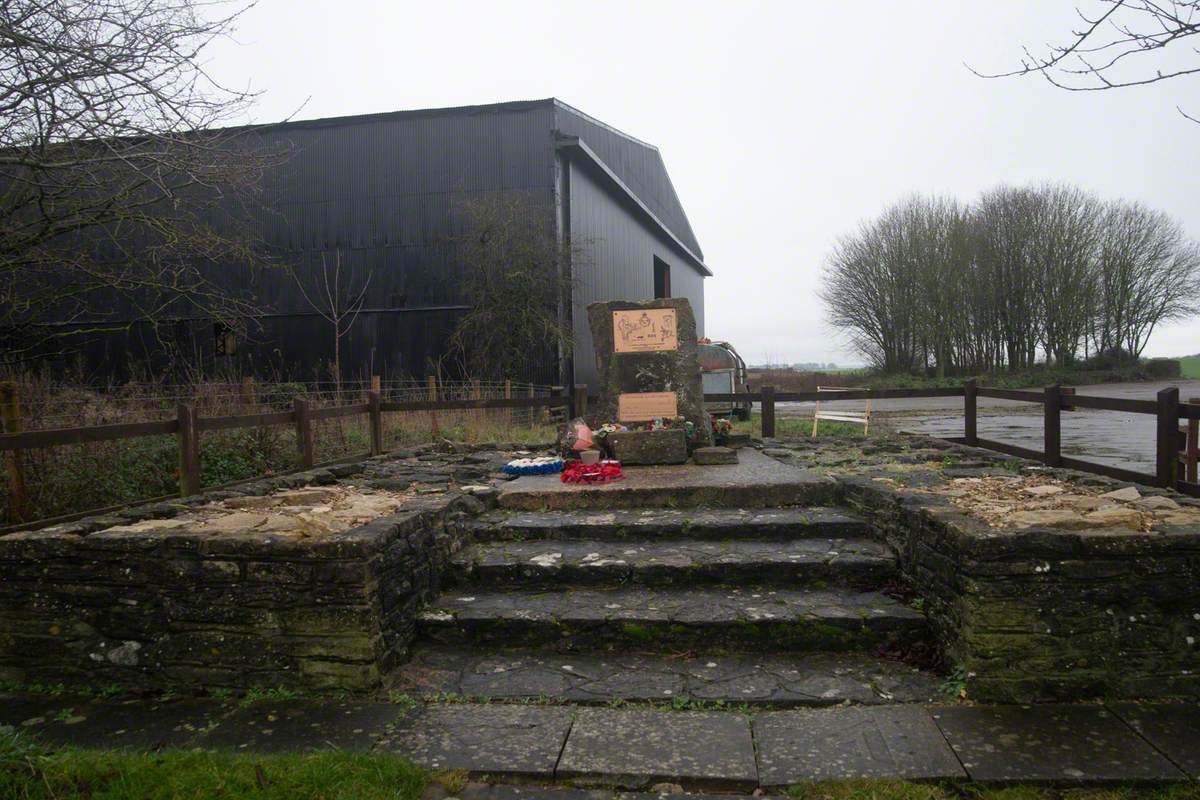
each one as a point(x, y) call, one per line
point(757, 481)
point(30, 712)
point(507, 739)
point(1172, 728)
point(1050, 743)
point(302, 726)
point(136, 724)
point(843, 743)
point(484, 791)
point(679, 618)
point(635, 748)
point(858, 562)
point(818, 679)
point(617, 524)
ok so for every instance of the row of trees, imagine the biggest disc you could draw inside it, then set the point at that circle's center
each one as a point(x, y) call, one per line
point(1023, 273)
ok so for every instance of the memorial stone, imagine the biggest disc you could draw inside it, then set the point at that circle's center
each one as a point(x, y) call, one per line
point(646, 356)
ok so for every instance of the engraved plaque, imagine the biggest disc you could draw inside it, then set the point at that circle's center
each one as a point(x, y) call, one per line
point(644, 330)
point(645, 406)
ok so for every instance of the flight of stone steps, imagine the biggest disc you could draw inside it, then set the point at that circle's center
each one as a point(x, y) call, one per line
point(694, 607)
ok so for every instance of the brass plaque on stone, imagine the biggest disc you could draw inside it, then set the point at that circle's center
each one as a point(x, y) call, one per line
point(644, 330)
point(645, 406)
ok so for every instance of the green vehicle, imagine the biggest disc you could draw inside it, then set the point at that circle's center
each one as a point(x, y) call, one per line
point(723, 372)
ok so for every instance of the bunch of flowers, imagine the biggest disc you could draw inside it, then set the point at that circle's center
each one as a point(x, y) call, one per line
point(605, 471)
point(721, 428)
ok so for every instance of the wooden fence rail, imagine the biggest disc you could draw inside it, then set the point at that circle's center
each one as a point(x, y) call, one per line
point(1175, 450)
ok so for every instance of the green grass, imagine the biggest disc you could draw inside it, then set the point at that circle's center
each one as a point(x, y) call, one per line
point(908, 790)
point(1190, 367)
point(30, 772)
point(792, 428)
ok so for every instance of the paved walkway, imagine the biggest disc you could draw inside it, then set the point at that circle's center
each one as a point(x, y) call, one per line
point(639, 746)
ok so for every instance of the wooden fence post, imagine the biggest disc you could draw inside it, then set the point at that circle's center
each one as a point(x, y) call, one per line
point(304, 432)
point(1167, 438)
point(970, 411)
point(1191, 453)
point(508, 412)
point(768, 411)
point(376, 422)
point(434, 431)
point(476, 394)
point(189, 451)
point(581, 390)
point(10, 422)
point(248, 390)
point(1052, 410)
point(376, 384)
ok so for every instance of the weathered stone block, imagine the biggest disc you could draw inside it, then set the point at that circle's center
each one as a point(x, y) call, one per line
point(665, 446)
point(706, 456)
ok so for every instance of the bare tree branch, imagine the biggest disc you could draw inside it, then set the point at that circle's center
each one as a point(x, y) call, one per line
point(114, 171)
point(1122, 44)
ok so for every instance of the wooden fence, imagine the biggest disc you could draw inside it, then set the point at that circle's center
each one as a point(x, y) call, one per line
point(188, 426)
point(1176, 449)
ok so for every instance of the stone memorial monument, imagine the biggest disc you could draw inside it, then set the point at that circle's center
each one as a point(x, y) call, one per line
point(647, 359)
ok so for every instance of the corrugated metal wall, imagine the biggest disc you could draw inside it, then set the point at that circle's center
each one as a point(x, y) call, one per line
point(385, 193)
point(618, 260)
point(639, 165)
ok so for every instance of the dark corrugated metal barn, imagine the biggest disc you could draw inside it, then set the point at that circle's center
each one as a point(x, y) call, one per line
point(382, 191)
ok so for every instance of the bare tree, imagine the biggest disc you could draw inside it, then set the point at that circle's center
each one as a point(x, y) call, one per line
point(517, 283)
point(337, 298)
point(1064, 222)
point(1004, 237)
point(1149, 273)
point(871, 290)
point(113, 171)
point(1120, 44)
point(1025, 270)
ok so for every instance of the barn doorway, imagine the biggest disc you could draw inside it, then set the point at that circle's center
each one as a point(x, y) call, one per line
point(662, 278)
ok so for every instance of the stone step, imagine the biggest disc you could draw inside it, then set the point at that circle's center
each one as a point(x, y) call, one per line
point(772, 680)
point(546, 563)
point(674, 619)
point(662, 523)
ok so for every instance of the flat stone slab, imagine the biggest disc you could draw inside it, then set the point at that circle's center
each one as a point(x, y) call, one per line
point(302, 726)
point(670, 617)
point(843, 743)
point(757, 481)
point(1172, 728)
point(136, 724)
point(636, 748)
point(858, 562)
point(1060, 743)
point(29, 712)
point(707, 456)
point(669, 523)
point(499, 791)
point(481, 739)
point(819, 679)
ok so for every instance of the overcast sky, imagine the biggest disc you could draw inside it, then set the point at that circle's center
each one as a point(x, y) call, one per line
point(782, 124)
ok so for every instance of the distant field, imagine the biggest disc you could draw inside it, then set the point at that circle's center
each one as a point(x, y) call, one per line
point(1191, 367)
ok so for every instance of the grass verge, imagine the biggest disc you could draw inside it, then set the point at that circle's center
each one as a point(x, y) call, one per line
point(30, 772)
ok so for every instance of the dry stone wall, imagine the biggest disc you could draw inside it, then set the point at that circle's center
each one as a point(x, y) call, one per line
point(126, 599)
point(1048, 614)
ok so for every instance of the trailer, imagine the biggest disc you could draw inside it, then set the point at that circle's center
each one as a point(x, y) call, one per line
point(723, 371)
